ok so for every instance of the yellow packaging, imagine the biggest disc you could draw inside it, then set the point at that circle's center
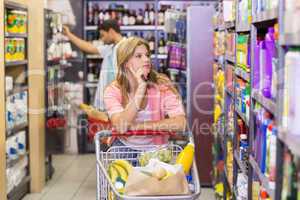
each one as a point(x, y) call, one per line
point(186, 157)
point(15, 49)
point(12, 21)
point(22, 49)
point(7, 50)
point(22, 22)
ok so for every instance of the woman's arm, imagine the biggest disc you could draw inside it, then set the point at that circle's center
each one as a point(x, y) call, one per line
point(123, 120)
point(177, 123)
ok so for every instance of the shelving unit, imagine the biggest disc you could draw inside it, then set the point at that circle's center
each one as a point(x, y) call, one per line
point(263, 179)
point(14, 62)
point(249, 167)
point(19, 68)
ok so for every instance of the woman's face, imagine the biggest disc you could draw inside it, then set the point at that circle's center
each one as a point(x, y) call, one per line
point(140, 58)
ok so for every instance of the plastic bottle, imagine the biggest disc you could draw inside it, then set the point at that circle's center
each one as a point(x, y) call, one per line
point(186, 157)
point(262, 62)
point(270, 54)
point(256, 80)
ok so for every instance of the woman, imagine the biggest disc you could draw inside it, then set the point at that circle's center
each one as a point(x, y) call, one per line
point(140, 98)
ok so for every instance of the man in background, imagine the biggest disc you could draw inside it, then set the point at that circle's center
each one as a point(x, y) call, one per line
point(110, 35)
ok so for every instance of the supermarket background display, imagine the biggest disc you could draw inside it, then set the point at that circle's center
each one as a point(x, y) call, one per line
point(256, 136)
point(49, 104)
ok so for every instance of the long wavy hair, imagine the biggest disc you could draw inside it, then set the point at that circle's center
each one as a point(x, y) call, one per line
point(125, 51)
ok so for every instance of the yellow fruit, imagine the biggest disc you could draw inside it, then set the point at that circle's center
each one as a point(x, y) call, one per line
point(122, 171)
point(113, 173)
point(125, 164)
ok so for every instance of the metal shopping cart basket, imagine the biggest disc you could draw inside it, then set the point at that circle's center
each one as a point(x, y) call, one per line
point(105, 187)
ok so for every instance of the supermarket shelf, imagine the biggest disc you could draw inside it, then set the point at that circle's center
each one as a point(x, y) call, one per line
point(243, 28)
point(265, 16)
point(19, 191)
point(131, 28)
point(230, 58)
point(240, 163)
point(16, 35)
point(15, 63)
point(12, 163)
point(265, 102)
point(242, 116)
point(292, 141)
point(230, 25)
point(159, 56)
point(14, 130)
point(242, 74)
point(263, 179)
point(15, 6)
point(290, 39)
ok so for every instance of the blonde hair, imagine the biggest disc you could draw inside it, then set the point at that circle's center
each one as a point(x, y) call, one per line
point(125, 51)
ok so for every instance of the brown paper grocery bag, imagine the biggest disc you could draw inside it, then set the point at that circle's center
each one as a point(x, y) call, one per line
point(140, 184)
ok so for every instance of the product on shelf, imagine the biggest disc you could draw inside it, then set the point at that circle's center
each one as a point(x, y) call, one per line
point(230, 44)
point(14, 49)
point(243, 97)
point(292, 12)
point(16, 21)
point(244, 11)
point(264, 146)
point(291, 92)
point(98, 12)
point(242, 187)
point(16, 109)
point(265, 61)
point(243, 141)
point(228, 11)
point(290, 183)
point(219, 43)
point(243, 51)
point(229, 162)
point(264, 5)
point(229, 77)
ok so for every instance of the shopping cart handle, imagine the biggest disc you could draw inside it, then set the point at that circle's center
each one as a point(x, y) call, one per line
point(142, 133)
point(114, 133)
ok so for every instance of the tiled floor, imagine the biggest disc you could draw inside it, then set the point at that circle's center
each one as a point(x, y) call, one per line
point(75, 179)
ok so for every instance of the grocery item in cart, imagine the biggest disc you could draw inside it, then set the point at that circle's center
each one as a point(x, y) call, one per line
point(157, 178)
point(186, 157)
point(163, 154)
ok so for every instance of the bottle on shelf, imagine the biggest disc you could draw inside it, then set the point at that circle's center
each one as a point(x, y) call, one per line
point(140, 17)
point(90, 17)
point(146, 15)
point(126, 18)
point(101, 16)
point(161, 16)
point(96, 14)
point(161, 45)
point(152, 15)
point(132, 17)
point(152, 44)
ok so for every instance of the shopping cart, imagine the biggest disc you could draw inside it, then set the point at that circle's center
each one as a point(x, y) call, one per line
point(106, 189)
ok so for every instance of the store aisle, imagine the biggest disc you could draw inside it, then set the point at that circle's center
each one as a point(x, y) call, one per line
point(75, 178)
